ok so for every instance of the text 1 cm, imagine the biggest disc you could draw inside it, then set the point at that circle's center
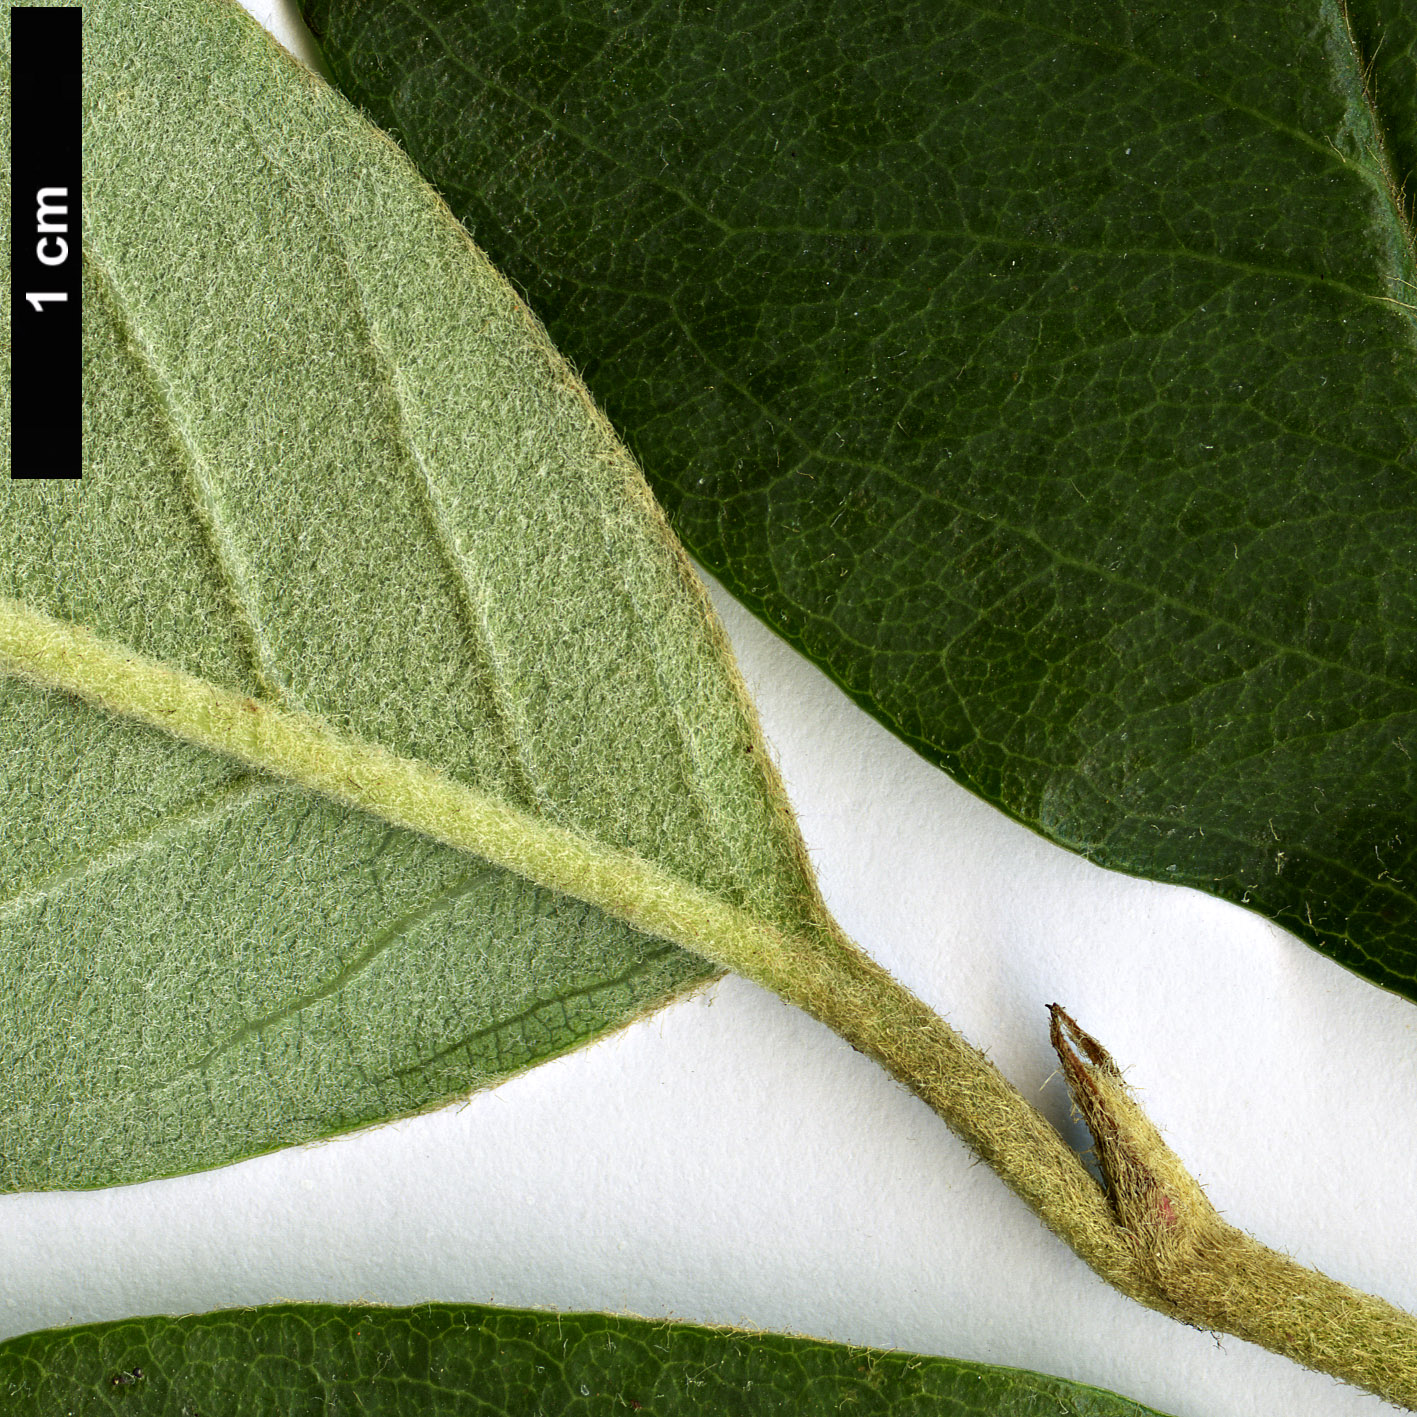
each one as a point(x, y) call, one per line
point(51, 248)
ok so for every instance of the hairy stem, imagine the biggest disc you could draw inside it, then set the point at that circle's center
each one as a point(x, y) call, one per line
point(1216, 1276)
point(834, 981)
point(1152, 1234)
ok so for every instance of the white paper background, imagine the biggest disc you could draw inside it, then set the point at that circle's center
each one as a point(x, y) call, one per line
point(732, 1161)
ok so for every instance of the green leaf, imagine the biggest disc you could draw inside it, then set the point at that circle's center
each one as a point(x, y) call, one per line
point(444, 1358)
point(341, 500)
point(1043, 371)
point(1386, 34)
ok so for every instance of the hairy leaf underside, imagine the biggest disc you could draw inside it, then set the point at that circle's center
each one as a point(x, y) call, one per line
point(334, 476)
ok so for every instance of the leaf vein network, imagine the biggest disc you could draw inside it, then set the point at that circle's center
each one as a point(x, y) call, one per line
point(222, 801)
point(428, 505)
point(641, 966)
point(201, 495)
point(618, 160)
point(1030, 536)
point(358, 964)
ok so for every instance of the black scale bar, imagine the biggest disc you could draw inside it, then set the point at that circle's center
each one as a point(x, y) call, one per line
point(46, 166)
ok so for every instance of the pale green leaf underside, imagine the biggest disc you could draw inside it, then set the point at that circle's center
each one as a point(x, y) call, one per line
point(332, 467)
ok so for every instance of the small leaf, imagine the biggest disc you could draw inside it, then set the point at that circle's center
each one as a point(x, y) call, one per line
point(340, 498)
point(1044, 371)
point(445, 1358)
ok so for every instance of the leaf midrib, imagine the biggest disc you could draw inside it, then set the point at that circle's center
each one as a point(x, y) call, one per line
point(231, 797)
point(207, 513)
point(1385, 180)
point(515, 740)
point(404, 792)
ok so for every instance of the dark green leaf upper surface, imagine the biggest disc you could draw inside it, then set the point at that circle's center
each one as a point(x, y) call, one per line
point(1047, 372)
point(445, 1359)
point(1385, 34)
